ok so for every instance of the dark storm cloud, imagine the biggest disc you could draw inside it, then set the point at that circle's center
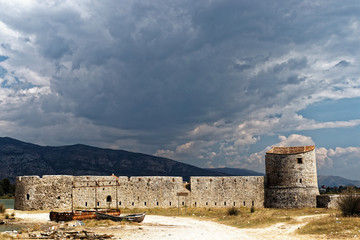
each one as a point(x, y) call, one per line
point(160, 65)
point(198, 79)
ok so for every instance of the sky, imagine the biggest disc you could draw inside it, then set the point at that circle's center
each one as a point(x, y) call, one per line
point(210, 83)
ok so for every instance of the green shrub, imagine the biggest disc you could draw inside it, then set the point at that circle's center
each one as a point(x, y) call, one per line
point(233, 211)
point(349, 204)
point(2, 208)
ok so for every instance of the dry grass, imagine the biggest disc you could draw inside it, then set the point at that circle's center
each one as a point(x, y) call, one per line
point(333, 226)
point(262, 217)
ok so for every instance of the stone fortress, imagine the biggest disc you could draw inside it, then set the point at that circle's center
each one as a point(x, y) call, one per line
point(290, 182)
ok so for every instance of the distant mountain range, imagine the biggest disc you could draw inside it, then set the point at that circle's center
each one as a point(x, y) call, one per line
point(236, 171)
point(335, 181)
point(19, 158)
point(329, 181)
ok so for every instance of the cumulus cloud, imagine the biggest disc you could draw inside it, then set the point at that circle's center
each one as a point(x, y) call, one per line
point(322, 159)
point(294, 140)
point(344, 160)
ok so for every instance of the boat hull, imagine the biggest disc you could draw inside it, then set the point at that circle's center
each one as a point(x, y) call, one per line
point(80, 214)
point(130, 218)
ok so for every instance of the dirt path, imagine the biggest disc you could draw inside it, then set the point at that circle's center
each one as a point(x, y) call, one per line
point(284, 230)
point(179, 228)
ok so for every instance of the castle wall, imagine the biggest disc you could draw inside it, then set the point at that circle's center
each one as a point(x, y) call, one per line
point(54, 192)
point(227, 191)
point(133, 192)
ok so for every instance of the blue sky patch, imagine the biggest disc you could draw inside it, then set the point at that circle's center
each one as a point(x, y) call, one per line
point(17, 84)
point(3, 58)
point(3, 71)
point(333, 110)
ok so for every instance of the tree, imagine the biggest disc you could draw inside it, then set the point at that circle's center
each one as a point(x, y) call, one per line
point(6, 188)
point(6, 185)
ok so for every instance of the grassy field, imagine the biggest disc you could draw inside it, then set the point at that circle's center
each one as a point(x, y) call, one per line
point(333, 226)
point(262, 217)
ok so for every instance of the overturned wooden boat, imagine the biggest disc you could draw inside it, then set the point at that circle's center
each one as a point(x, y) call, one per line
point(81, 214)
point(139, 217)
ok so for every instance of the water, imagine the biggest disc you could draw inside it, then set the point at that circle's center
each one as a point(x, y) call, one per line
point(8, 203)
point(4, 228)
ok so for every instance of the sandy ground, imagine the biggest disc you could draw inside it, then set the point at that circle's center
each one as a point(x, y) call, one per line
point(179, 228)
point(32, 217)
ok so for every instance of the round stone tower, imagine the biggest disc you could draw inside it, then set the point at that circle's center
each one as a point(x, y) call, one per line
point(291, 178)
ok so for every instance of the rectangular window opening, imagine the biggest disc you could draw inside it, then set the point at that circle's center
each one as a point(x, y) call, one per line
point(299, 160)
